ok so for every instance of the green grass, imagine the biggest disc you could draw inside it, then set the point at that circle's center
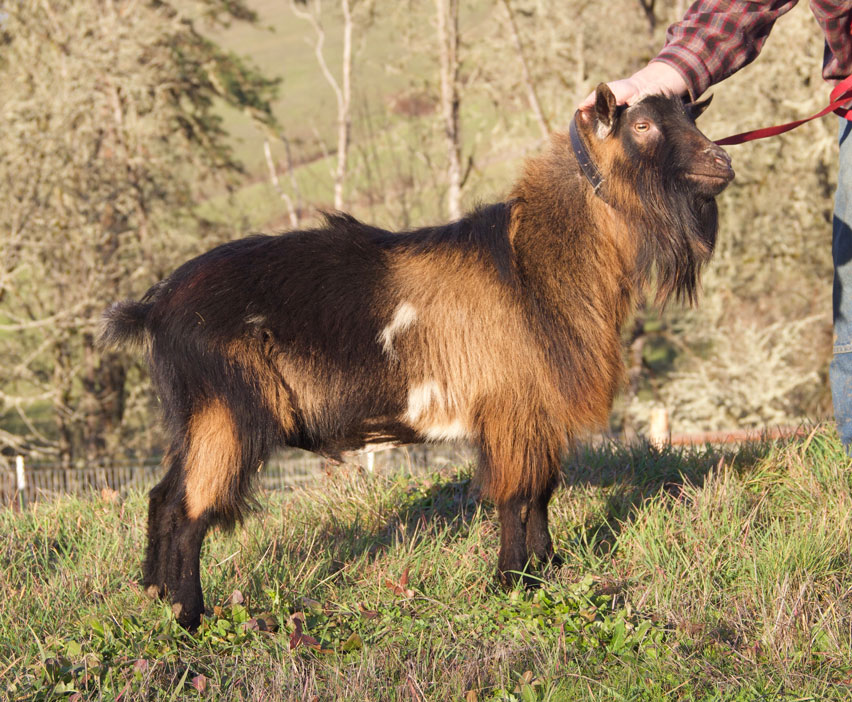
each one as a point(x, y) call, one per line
point(690, 575)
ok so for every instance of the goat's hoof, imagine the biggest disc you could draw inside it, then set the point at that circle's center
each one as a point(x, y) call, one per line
point(154, 591)
point(187, 618)
point(509, 580)
point(554, 561)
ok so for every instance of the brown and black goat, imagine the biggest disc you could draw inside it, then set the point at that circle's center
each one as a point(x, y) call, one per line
point(501, 329)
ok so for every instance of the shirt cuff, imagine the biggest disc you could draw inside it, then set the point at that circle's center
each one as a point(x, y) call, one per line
point(690, 66)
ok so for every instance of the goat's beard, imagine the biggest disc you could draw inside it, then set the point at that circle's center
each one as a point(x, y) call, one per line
point(677, 240)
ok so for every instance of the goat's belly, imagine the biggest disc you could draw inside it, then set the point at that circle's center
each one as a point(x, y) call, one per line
point(373, 434)
point(387, 432)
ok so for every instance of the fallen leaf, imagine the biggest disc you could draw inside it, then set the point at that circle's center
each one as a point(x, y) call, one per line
point(267, 621)
point(109, 495)
point(527, 680)
point(236, 598)
point(471, 696)
point(298, 638)
point(367, 613)
point(589, 614)
point(199, 682)
point(400, 587)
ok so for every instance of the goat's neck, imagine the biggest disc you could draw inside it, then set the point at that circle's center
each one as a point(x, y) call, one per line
point(577, 256)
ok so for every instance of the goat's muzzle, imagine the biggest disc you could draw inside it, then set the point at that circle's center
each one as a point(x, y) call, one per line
point(711, 171)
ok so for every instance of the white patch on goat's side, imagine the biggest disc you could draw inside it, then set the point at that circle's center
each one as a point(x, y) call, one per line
point(257, 320)
point(403, 318)
point(446, 432)
point(421, 397)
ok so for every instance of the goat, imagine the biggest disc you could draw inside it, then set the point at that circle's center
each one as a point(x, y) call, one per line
point(501, 329)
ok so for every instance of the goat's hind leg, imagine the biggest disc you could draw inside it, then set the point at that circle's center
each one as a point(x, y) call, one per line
point(203, 485)
point(165, 513)
point(172, 561)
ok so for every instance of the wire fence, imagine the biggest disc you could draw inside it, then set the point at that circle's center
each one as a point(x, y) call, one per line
point(25, 484)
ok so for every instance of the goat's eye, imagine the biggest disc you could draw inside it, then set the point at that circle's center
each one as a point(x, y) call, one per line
point(641, 126)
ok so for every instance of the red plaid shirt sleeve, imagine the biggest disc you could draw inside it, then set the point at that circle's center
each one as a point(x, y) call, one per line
point(718, 37)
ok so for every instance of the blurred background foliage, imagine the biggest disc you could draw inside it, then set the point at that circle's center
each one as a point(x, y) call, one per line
point(137, 133)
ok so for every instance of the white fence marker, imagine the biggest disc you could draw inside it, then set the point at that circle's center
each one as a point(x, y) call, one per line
point(20, 474)
point(659, 433)
point(21, 477)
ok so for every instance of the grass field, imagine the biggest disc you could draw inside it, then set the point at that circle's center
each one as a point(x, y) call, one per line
point(690, 575)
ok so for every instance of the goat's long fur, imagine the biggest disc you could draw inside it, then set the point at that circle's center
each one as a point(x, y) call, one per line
point(502, 329)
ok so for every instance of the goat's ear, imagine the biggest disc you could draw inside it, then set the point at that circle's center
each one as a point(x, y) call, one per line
point(696, 109)
point(605, 110)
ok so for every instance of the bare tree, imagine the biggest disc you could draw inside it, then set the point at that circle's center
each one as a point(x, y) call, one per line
point(448, 51)
point(532, 95)
point(650, 16)
point(342, 90)
point(276, 183)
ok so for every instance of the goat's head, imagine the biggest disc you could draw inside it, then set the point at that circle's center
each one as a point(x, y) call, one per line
point(663, 174)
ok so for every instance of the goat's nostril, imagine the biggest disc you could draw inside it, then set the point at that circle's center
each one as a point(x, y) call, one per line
point(719, 155)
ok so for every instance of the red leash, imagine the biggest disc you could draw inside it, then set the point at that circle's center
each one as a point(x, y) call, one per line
point(841, 95)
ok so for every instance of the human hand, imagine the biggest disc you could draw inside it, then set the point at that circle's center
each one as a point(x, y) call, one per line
point(657, 78)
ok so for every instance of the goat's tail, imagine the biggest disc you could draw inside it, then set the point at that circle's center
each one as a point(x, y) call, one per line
point(123, 324)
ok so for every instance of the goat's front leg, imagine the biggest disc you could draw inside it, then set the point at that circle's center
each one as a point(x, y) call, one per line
point(513, 559)
point(538, 538)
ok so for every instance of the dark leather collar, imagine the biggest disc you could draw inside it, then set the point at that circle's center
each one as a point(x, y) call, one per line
point(584, 158)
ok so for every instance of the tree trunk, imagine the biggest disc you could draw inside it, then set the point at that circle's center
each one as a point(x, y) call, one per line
point(276, 183)
point(650, 16)
point(532, 95)
point(343, 94)
point(636, 350)
point(448, 45)
point(344, 118)
point(102, 400)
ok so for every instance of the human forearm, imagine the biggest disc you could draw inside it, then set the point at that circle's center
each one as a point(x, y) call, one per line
point(716, 38)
